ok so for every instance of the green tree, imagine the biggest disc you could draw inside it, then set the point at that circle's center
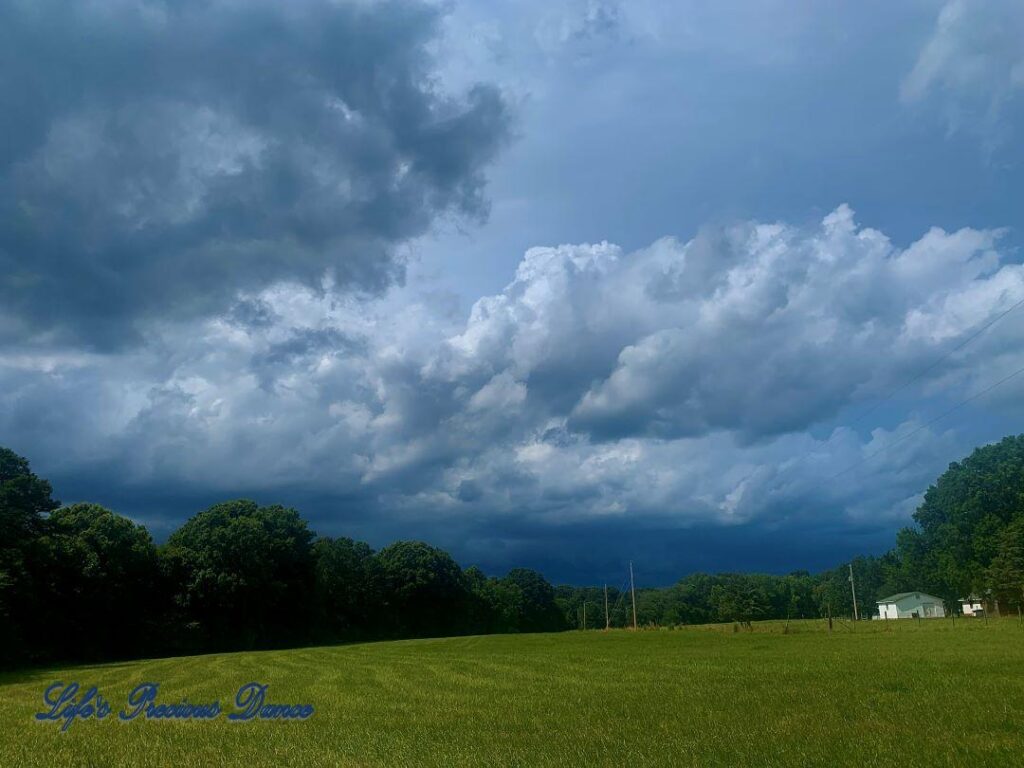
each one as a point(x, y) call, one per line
point(425, 592)
point(498, 604)
point(1006, 572)
point(570, 602)
point(691, 599)
point(961, 517)
point(536, 609)
point(348, 588)
point(243, 574)
point(798, 588)
point(739, 598)
point(25, 502)
point(874, 579)
point(487, 613)
point(97, 575)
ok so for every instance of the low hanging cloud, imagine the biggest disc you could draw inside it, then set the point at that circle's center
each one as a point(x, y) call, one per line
point(679, 383)
point(158, 157)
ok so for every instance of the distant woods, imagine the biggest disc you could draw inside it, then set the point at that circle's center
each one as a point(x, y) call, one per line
point(968, 541)
point(81, 582)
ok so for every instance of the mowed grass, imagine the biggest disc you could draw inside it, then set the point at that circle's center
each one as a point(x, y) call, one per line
point(897, 693)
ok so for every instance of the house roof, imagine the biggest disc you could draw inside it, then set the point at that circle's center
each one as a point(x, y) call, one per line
point(901, 595)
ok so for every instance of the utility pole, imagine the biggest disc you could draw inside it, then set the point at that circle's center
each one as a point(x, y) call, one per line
point(632, 592)
point(853, 589)
point(584, 614)
point(607, 623)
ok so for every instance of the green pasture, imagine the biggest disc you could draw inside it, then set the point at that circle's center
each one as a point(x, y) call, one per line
point(895, 693)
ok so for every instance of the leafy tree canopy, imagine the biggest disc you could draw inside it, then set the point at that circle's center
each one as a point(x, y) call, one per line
point(961, 519)
point(242, 569)
point(24, 500)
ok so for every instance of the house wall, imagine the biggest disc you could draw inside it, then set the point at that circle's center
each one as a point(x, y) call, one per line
point(888, 611)
point(925, 607)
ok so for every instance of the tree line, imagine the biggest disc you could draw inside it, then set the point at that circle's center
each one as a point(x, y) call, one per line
point(967, 540)
point(81, 582)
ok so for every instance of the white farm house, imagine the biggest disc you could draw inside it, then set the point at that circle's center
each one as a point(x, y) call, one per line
point(911, 605)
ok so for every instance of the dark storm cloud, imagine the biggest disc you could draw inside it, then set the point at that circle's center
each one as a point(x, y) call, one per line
point(579, 397)
point(298, 348)
point(157, 157)
point(230, 182)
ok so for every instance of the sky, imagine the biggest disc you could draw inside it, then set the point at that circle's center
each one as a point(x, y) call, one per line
point(560, 285)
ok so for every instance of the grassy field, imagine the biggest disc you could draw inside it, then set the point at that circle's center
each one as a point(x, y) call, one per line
point(895, 693)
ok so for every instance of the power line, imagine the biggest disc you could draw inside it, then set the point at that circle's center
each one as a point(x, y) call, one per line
point(621, 595)
point(916, 378)
point(927, 424)
point(937, 362)
point(920, 375)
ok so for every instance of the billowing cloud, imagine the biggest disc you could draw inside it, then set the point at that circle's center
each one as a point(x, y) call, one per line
point(711, 381)
point(158, 157)
point(207, 209)
point(775, 328)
